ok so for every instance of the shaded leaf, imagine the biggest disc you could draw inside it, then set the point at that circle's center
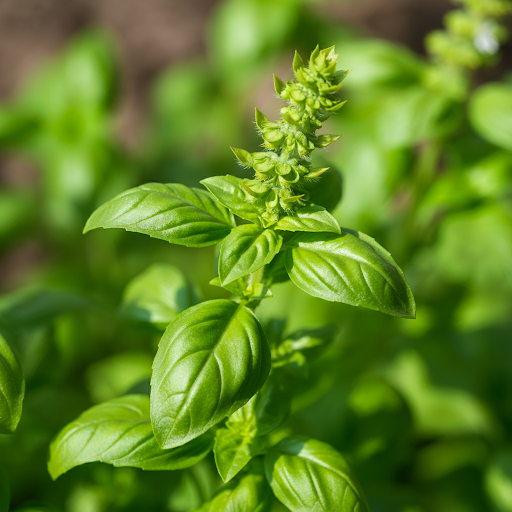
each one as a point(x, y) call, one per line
point(157, 295)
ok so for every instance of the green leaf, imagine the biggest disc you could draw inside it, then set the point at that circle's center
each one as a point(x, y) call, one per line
point(351, 268)
point(246, 249)
point(233, 451)
point(266, 411)
point(211, 360)
point(172, 212)
point(119, 432)
point(249, 493)
point(307, 475)
point(157, 295)
point(229, 192)
point(12, 388)
point(309, 218)
point(243, 156)
point(117, 375)
point(490, 113)
point(4, 491)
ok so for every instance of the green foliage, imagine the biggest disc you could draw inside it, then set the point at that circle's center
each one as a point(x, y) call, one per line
point(119, 432)
point(350, 268)
point(419, 409)
point(174, 213)
point(309, 475)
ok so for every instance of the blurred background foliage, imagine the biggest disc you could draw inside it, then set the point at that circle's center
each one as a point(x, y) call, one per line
point(423, 408)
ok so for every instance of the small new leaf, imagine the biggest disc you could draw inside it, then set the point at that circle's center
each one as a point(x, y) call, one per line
point(233, 451)
point(12, 388)
point(175, 213)
point(118, 432)
point(307, 475)
point(351, 268)
point(211, 360)
point(279, 85)
point(243, 156)
point(249, 493)
point(310, 218)
point(229, 191)
point(261, 119)
point(246, 249)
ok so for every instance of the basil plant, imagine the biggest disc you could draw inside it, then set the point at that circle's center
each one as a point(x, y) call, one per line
point(217, 382)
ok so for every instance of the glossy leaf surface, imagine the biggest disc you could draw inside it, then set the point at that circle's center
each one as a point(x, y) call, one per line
point(311, 218)
point(229, 192)
point(310, 476)
point(119, 432)
point(211, 360)
point(12, 388)
point(172, 212)
point(233, 451)
point(351, 268)
point(246, 249)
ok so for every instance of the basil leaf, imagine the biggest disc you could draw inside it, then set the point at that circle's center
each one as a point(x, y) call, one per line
point(306, 475)
point(172, 212)
point(119, 432)
point(5, 496)
point(229, 192)
point(157, 295)
point(250, 493)
point(310, 218)
point(490, 113)
point(351, 268)
point(266, 411)
point(276, 269)
point(211, 360)
point(12, 388)
point(246, 249)
point(233, 451)
point(325, 191)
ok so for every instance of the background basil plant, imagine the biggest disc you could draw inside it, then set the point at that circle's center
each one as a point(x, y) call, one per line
point(218, 380)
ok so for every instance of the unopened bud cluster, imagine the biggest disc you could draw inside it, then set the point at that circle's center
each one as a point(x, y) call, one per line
point(473, 35)
point(282, 171)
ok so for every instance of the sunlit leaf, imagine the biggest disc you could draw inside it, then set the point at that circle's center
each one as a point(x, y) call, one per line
point(118, 432)
point(211, 360)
